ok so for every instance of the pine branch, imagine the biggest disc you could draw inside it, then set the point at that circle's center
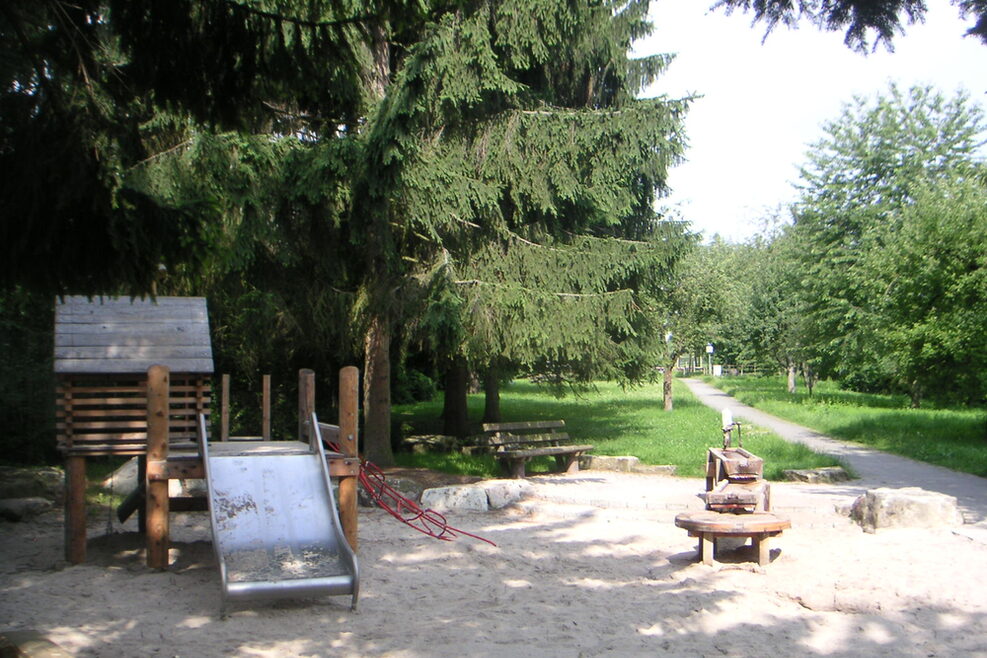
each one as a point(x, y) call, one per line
point(479, 282)
point(155, 156)
point(300, 21)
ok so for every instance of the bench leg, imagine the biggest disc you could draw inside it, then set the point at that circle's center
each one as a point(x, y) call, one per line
point(706, 545)
point(514, 468)
point(567, 463)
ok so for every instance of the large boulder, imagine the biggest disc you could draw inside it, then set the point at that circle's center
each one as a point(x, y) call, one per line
point(501, 493)
point(458, 497)
point(910, 507)
point(22, 509)
point(44, 482)
point(624, 464)
point(824, 475)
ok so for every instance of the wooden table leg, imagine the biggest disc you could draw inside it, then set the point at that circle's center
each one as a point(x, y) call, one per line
point(761, 545)
point(706, 544)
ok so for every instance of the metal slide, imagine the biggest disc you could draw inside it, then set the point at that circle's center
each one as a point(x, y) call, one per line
point(275, 525)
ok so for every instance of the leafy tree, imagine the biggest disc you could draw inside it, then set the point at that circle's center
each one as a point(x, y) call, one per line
point(860, 180)
point(935, 299)
point(862, 19)
point(692, 312)
point(773, 323)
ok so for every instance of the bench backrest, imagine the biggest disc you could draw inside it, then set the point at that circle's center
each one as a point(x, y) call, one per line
point(533, 432)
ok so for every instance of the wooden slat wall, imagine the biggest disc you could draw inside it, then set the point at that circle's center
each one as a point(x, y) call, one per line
point(107, 415)
point(123, 336)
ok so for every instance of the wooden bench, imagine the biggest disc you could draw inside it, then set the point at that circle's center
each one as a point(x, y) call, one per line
point(515, 444)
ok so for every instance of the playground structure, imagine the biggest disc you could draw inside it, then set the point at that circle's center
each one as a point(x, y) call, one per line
point(103, 349)
point(276, 533)
point(134, 380)
point(738, 500)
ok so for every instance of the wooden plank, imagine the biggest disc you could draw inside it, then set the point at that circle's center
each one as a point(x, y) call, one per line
point(143, 352)
point(178, 386)
point(531, 425)
point(107, 436)
point(121, 367)
point(135, 450)
point(545, 452)
point(174, 469)
point(504, 439)
point(103, 413)
point(195, 331)
point(108, 402)
point(152, 335)
point(78, 306)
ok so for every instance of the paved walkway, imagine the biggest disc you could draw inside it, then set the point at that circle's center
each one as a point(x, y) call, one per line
point(875, 468)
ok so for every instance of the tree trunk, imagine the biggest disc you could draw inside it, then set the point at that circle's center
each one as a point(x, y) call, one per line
point(377, 393)
point(455, 416)
point(916, 394)
point(809, 376)
point(491, 395)
point(792, 377)
point(666, 388)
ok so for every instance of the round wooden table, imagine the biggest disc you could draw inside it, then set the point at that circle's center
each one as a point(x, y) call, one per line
point(709, 525)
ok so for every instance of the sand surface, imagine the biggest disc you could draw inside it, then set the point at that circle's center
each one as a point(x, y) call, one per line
point(591, 565)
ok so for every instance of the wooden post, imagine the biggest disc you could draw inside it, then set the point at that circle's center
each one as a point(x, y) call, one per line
point(349, 415)
point(265, 421)
point(224, 410)
point(157, 449)
point(306, 401)
point(142, 509)
point(75, 509)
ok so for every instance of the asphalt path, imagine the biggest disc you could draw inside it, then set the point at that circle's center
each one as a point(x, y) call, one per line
point(874, 467)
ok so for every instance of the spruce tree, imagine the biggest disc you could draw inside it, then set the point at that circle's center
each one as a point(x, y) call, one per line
point(506, 118)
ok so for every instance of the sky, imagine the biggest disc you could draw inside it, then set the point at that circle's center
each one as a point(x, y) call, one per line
point(763, 104)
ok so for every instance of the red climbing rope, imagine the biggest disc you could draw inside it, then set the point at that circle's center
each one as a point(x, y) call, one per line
point(402, 508)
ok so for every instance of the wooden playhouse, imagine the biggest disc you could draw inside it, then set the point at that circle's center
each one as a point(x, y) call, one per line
point(103, 349)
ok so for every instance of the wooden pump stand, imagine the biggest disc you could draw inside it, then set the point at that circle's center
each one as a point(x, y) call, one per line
point(161, 467)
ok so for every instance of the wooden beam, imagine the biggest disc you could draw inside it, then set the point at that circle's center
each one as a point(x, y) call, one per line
point(306, 401)
point(75, 509)
point(175, 469)
point(349, 415)
point(224, 410)
point(265, 409)
point(157, 450)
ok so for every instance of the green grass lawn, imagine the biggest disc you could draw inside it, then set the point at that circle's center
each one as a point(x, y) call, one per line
point(954, 438)
point(616, 421)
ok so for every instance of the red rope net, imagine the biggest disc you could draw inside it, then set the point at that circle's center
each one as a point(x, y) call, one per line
point(404, 509)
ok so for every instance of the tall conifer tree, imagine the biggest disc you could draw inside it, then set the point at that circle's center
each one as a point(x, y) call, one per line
point(506, 118)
